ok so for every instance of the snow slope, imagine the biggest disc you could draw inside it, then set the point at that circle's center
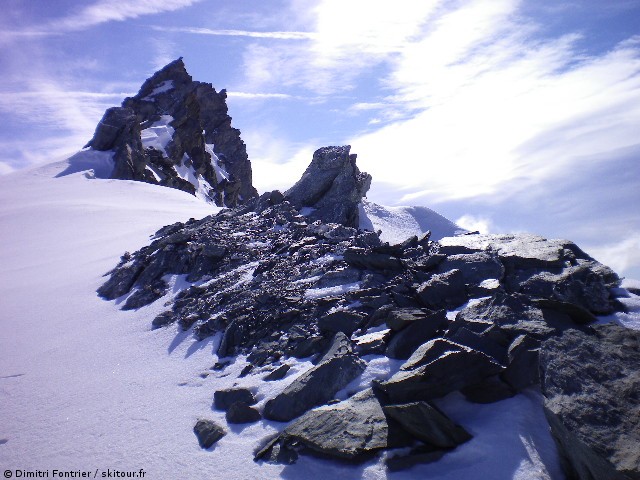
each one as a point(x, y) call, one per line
point(86, 386)
point(399, 223)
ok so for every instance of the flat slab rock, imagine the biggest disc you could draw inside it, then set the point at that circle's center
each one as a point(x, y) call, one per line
point(319, 385)
point(591, 384)
point(526, 249)
point(350, 430)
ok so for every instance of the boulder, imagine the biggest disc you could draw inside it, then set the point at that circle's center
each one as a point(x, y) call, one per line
point(506, 317)
point(475, 267)
point(489, 340)
point(444, 290)
point(437, 368)
point(514, 250)
point(332, 186)
point(223, 399)
point(208, 432)
point(406, 341)
point(399, 318)
point(344, 321)
point(336, 369)
point(428, 424)
point(277, 374)
point(349, 430)
point(240, 412)
point(590, 382)
point(522, 368)
point(366, 259)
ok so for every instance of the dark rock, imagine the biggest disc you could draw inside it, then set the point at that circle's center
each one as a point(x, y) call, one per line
point(399, 318)
point(475, 267)
point(522, 368)
point(405, 342)
point(223, 399)
point(551, 269)
point(120, 281)
point(344, 321)
point(437, 368)
point(505, 317)
point(203, 139)
point(163, 319)
point(277, 374)
point(428, 424)
point(221, 365)
point(146, 295)
point(490, 341)
point(445, 290)
point(332, 185)
point(514, 250)
point(208, 432)
point(352, 430)
point(318, 385)
point(489, 390)
point(115, 122)
point(308, 347)
point(591, 384)
point(240, 412)
point(362, 258)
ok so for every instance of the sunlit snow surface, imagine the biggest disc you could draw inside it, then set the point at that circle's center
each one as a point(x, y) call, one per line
point(399, 223)
point(84, 385)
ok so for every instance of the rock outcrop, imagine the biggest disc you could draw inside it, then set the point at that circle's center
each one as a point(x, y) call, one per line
point(288, 276)
point(331, 187)
point(591, 384)
point(319, 385)
point(177, 132)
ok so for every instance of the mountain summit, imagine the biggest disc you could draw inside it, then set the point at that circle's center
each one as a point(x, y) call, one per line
point(176, 132)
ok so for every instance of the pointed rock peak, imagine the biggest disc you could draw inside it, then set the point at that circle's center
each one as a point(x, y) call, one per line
point(172, 75)
point(332, 186)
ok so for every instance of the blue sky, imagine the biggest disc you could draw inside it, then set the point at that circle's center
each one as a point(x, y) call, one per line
point(504, 115)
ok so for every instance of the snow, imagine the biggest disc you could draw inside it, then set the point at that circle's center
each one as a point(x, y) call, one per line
point(185, 171)
point(158, 135)
point(331, 291)
point(399, 223)
point(163, 87)
point(91, 163)
point(221, 173)
point(84, 385)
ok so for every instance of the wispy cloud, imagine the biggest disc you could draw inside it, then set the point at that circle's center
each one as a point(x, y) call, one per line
point(237, 33)
point(259, 96)
point(103, 11)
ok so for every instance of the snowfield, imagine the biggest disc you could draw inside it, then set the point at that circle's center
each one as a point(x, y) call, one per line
point(86, 386)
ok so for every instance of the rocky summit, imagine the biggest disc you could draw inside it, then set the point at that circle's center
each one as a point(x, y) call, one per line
point(289, 275)
point(176, 132)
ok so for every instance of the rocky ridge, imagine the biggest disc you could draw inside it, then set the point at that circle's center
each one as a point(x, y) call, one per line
point(288, 276)
point(176, 132)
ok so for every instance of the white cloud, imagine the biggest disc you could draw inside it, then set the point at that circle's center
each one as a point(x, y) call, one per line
point(103, 11)
point(258, 95)
point(622, 256)
point(276, 163)
point(5, 168)
point(475, 223)
point(238, 33)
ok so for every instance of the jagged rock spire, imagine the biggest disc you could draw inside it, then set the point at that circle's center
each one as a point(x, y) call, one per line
point(332, 185)
point(177, 132)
